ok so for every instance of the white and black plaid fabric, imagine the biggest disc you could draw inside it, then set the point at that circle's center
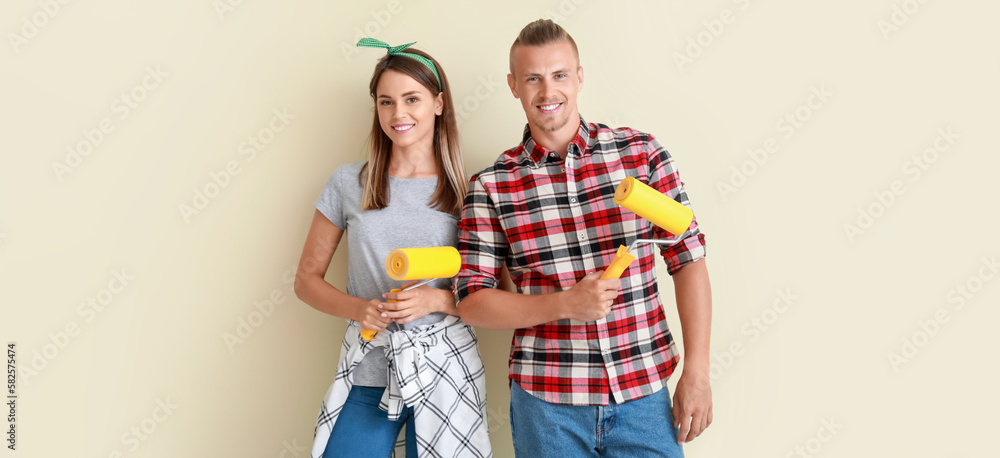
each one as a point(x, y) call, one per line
point(437, 370)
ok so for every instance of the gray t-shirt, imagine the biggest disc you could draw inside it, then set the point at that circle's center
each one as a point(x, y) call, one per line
point(407, 222)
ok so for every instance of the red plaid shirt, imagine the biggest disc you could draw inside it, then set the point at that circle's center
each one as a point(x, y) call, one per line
point(553, 221)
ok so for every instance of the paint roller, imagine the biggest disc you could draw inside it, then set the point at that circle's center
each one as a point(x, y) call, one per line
point(427, 264)
point(652, 206)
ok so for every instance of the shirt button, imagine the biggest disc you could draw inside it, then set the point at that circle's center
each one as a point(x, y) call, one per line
point(572, 199)
point(582, 235)
point(553, 155)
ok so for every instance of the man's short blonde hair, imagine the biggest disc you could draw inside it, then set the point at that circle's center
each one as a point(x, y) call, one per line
point(540, 33)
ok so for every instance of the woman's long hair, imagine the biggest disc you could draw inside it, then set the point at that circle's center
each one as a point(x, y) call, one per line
point(453, 182)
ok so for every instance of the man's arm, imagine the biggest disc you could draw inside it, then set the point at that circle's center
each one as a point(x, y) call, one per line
point(693, 396)
point(686, 263)
point(588, 300)
point(484, 246)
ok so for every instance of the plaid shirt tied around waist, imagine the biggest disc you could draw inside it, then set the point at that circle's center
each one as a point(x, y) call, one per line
point(436, 369)
point(553, 221)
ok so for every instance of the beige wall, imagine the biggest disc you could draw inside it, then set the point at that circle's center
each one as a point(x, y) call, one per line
point(150, 373)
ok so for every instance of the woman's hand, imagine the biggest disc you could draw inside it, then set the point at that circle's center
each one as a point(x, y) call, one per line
point(417, 302)
point(370, 316)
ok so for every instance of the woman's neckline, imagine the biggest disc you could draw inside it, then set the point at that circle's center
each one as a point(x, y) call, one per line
point(420, 178)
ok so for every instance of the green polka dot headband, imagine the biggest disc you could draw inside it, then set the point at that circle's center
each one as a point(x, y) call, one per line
point(398, 51)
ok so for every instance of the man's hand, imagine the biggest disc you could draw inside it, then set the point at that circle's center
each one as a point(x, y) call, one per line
point(591, 298)
point(692, 405)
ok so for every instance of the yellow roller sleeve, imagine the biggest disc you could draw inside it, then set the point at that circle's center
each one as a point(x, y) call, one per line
point(423, 263)
point(419, 264)
point(618, 265)
point(653, 206)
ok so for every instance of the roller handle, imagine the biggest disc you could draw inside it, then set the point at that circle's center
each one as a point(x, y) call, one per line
point(369, 334)
point(618, 265)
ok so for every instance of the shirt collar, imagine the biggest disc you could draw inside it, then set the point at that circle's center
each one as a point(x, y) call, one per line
point(537, 154)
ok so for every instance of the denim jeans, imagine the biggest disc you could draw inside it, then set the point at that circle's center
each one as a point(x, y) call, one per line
point(363, 430)
point(638, 428)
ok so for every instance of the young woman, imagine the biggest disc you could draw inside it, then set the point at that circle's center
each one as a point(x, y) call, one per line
point(423, 367)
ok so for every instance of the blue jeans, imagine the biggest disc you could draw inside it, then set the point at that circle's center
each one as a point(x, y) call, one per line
point(638, 428)
point(362, 429)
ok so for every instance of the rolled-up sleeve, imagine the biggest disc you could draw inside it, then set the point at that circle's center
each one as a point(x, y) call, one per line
point(481, 242)
point(665, 178)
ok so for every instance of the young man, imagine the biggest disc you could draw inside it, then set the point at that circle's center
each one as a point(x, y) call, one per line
point(588, 365)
